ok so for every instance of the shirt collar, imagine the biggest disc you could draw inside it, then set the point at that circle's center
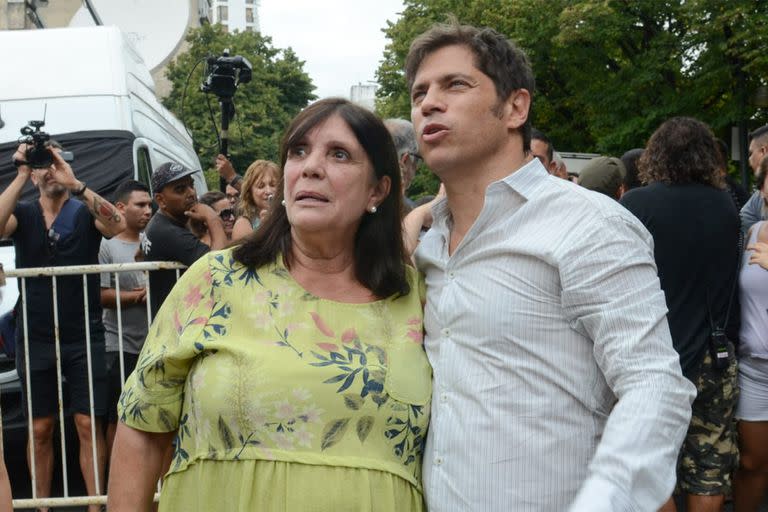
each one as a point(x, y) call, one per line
point(525, 181)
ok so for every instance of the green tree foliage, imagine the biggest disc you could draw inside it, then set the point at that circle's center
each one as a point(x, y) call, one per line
point(278, 91)
point(608, 72)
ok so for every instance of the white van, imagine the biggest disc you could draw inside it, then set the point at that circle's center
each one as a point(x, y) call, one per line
point(98, 100)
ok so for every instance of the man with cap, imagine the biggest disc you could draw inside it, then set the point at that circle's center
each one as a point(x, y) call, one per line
point(604, 174)
point(167, 237)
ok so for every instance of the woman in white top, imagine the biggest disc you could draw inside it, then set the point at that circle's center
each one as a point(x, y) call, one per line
point(751, 479)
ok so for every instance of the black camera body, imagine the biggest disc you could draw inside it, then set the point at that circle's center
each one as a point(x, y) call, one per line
point(225, 73)
point(38, 154)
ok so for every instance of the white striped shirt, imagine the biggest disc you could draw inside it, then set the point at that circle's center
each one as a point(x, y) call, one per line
point(555, 381)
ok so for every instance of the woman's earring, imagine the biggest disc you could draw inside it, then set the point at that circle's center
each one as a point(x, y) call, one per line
point(282, 202)
point(372, 209)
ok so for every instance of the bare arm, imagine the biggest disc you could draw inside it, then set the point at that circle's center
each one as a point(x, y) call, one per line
point(6, 500)
point(242, 228)
point(127, 297)
point(215, 225)
point(108, 220)
point(137, 460)
point(11, 195)
point(227, 172)
point(418, 217)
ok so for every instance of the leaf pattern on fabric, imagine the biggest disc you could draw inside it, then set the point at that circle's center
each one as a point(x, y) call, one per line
point(364, 426)
point(225, 434)
point(290, 373)
point(333, 432)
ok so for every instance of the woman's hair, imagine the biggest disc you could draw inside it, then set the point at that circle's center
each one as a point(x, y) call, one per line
point(378, 251)
point(199, 227)
point(255, 173)
point(682, 150)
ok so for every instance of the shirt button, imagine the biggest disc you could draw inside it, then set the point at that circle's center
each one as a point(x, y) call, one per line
point(451, 274)
point(438, 461)
point(446, 332)
point(443, 397)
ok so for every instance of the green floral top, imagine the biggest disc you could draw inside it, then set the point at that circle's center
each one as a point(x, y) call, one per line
point(247, 365)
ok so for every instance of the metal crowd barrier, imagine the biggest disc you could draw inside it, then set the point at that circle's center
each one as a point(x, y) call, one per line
point(54, 272)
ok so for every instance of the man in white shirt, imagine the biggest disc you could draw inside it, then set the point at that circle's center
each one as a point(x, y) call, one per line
point(556, 386)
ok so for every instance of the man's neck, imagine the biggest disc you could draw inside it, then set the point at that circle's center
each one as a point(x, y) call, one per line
point(52, 204)
point(129, 234)
point(465, 190)
point(182, 221)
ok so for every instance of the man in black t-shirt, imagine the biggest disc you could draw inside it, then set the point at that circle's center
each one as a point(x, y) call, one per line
point(167, 237)
point(57, 230)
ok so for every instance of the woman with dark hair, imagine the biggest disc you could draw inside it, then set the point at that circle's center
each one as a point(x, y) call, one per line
point(290, 369)
point(696, 234)
point(223, 207)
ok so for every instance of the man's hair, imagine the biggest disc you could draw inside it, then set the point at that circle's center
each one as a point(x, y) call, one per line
point(539, 135)
point(629, 159)
point(495, 56)
point(403, 135)
point(379, 251)
point(759, 133)
point(682, 150)
point(125, 189)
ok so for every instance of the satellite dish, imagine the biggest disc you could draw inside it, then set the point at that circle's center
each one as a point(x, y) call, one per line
point(155, 28)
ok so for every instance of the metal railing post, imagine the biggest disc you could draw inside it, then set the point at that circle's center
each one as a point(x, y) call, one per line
point(88, 355)
point(60, 386)
point(53, 272)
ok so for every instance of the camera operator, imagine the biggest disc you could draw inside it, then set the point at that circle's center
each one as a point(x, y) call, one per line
point(56, 230)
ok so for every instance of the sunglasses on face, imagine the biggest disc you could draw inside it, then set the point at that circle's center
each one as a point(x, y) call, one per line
point(53, 238)
point(227, 213)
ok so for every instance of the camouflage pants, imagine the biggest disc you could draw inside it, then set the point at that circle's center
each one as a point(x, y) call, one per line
point(709, 454)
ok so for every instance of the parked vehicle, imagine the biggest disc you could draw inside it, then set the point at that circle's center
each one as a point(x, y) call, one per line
point(97, 98)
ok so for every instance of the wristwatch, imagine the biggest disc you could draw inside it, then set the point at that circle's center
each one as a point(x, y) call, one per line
point(79, 192)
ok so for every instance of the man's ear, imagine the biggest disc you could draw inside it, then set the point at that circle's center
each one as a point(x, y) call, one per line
point(160, 200)
point(552, 168)
point(403, 162)
point(517, 107)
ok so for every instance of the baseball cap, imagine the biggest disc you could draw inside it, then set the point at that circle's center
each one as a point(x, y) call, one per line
point(603, 174)
point(168, 172)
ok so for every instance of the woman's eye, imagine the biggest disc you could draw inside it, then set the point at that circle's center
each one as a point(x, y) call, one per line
point(340, 154)
point(458, 83)
point(297, 151)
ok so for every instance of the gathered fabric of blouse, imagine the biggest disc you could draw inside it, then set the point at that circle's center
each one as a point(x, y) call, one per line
point(282, 400)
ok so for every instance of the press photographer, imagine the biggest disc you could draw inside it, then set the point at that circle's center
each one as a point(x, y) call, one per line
point(62, 226)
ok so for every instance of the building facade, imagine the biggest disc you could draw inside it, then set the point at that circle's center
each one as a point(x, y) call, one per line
point(240, 15)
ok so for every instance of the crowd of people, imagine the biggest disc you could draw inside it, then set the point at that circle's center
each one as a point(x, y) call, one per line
point(529, 339)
